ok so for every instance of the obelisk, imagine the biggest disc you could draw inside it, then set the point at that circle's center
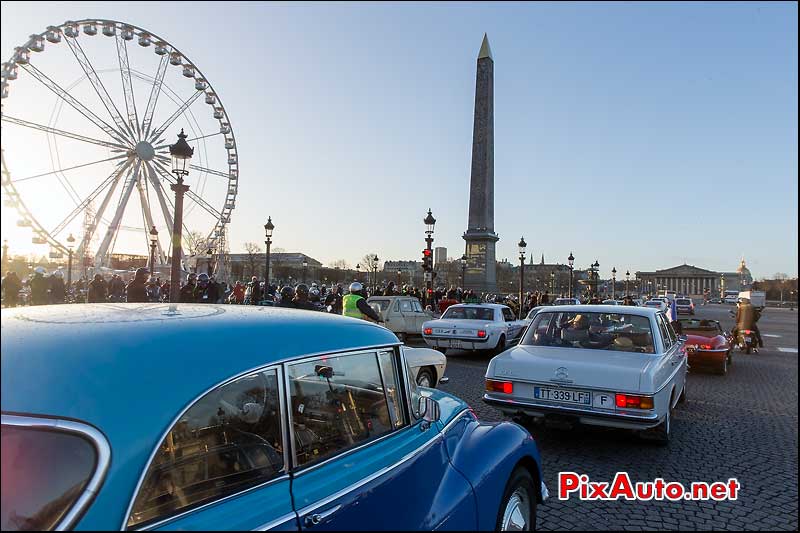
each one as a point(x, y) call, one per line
point(480, 236)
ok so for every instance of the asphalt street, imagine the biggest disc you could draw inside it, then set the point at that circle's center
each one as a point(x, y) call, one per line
point(742, 425)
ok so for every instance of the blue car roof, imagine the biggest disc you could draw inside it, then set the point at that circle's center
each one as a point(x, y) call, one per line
point(142, 363)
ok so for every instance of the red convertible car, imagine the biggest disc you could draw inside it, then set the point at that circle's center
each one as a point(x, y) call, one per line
point(708, 345)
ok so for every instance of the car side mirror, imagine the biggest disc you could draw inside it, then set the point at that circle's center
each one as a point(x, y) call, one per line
point(429, 410)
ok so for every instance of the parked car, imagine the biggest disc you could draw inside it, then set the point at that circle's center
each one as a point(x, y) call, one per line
point(707, 344)
point(208, 417)
point(473, 327)
point(638, 301)
point(567, 301)
point(427, 366)
point(684, 306)
point(621, 367)
point(661, 305)
point(403, 315)
point(529, 318)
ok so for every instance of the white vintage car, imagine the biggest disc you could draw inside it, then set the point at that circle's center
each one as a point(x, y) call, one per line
point(614, 366)
point(473, 327)
point(427, 366)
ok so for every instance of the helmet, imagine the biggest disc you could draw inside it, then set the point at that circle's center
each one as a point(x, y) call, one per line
point(58, 274)
point(202, 279)
point(356, 287)
point(302, 291)
point(287, 293)
point(141, 273)
point(40, 270)
point(313, 285)
point(744, 300)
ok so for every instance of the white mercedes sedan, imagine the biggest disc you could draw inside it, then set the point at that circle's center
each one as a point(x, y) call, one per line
point(473, 327)
point(621, 367)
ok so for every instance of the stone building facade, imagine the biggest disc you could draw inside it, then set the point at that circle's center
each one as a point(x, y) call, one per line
point(693, 281)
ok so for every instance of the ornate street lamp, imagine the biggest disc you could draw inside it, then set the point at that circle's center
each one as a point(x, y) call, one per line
point(614, 283)
point(596, 272)
point(521, 245)
point(430, 222)
point(70, 245)
point(181, 154)
point(375, 272)
point(153, 245)
point(553, 281)
point(399, 273)
point(5, 253)
point(268, 228)
point(305, 267)
point(358, 272)
point(571, 261)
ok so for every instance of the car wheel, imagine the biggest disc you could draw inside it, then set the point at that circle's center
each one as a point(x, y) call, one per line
point(518, 507)
point(425, 378)
point(501, 344)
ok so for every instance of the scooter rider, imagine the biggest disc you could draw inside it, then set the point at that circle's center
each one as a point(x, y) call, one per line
point(746, 318)
point(355, 305)
point(301, 300)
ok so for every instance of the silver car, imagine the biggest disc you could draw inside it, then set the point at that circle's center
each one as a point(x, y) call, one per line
point(621, 367)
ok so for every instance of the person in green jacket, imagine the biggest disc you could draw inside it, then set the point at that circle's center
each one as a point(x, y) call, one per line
point(355, 305)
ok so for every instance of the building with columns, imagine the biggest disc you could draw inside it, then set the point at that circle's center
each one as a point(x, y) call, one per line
point(693, 281)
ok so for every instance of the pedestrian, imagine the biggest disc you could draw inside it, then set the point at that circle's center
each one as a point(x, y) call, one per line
point(153, 290)
point(40, 287)
point(206, 291)
point(98, 290)
point(238, 293)
point(11, 287)
point(58, 291)
point(301, 298)
point(187, 291)
point(137, 288)
point(355, 305)
point(545, 300)
point(255, 291)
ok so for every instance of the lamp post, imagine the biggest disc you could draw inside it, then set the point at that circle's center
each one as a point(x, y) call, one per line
point(522, 245)
point(596, 270)
point(627, 279)
point(358, 272)
point(430, 222)
point(375, 272)
point(553, 281)
point(305, 268)
point(153, 244)
point(463, 270)
point(399, 273)
point(268, 228)
point(181, 154)
point(571, 261)
point(614, 283)
point(5, 254)
point(70, 245)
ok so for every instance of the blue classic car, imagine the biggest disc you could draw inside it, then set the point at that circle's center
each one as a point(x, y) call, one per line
point(205, 417)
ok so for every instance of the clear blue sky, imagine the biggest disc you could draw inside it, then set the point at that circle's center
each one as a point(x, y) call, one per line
point(640, 135)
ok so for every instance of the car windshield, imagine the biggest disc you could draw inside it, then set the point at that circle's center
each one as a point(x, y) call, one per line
point(468, 313)
point(594, 331)
point(43, 475)
point(701, 328)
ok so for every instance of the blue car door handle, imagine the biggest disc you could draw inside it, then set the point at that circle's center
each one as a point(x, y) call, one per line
point(315, 518)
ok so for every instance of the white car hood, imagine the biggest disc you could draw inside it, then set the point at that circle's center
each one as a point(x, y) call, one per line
point(599, 369)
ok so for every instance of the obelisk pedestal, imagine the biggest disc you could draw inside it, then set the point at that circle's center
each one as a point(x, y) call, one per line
point(480, 237)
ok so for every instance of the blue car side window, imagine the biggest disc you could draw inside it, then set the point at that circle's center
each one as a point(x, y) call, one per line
point(230, 440)
point(340, 402)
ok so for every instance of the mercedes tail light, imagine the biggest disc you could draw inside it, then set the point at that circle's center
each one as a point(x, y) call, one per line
point(427, 331)
point(506, 387)
point(634, 401)
point(482, 333)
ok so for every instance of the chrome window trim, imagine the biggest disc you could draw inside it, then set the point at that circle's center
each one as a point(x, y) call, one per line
point(378, 473)
point(299, 470)
point(187, 512)
point(98, 440)
point(272, 365)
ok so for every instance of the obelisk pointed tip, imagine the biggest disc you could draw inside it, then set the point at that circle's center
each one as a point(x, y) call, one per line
point(486, 50)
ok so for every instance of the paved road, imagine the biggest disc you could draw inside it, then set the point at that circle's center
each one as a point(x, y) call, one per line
point(741, 425)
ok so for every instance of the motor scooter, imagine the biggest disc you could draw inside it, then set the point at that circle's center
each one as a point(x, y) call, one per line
point(746, 340)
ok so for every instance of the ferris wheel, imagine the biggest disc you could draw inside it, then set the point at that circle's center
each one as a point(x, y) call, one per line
point(87, 120)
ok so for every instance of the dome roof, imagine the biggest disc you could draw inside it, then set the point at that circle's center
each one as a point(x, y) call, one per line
point(743, 268)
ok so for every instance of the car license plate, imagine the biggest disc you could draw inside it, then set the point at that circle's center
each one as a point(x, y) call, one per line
point(454, 343)
point(563, 395)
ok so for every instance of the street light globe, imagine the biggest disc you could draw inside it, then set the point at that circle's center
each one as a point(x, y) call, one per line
point(181, 154)
point(429, 222)
point(70, 241)
point(571, 260)
point(268, 227)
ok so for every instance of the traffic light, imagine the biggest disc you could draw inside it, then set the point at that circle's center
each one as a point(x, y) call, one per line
point(427, 260)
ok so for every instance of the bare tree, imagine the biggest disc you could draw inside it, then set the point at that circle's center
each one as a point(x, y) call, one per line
point(368, 262)
point(340, 264)
point(253, 250)
point(194, 242)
